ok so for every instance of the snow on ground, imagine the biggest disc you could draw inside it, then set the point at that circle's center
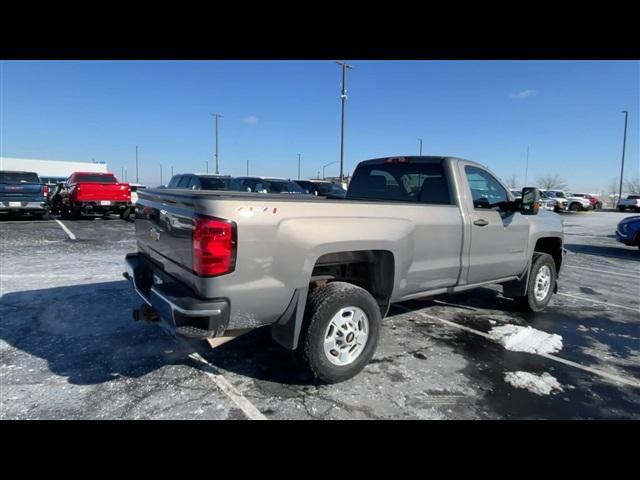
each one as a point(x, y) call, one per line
point(526, 339)
point(539, 384)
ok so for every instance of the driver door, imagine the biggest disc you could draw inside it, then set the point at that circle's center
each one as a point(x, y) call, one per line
point(498, 239)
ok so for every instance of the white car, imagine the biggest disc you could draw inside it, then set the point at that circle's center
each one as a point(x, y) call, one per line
point(632, 202)
point(575, 204)
point(549, 200)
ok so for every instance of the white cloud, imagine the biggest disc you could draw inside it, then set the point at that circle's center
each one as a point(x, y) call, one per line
point(523, 94)
point(251, 119)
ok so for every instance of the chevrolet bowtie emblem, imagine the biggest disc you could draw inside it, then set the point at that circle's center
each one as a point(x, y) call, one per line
point(154, 234)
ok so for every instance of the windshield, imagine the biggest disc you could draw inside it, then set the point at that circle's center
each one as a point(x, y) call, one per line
point(95, 178)
point(19, 177)
point(214, 183)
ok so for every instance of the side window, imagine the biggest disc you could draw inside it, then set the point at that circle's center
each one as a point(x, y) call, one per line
point(194, 183)
point(174, 181)
point(486, 191)
point(184, 181)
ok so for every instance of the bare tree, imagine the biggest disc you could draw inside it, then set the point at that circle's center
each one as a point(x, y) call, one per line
point(512, 181)
point(551, 182)
point(612, 191)
point(633, 185)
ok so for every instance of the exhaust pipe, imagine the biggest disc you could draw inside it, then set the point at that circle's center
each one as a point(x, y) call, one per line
point(146, 313)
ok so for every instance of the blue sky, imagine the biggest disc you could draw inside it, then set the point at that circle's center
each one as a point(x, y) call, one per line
point(568, 113)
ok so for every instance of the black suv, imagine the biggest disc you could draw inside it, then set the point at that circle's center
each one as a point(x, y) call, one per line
point(266, 185)
point(200, 181)
point(322, 188)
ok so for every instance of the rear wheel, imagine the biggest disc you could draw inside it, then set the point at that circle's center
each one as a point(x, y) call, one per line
point(621, 209)
point(542, 283)
point(340, 332)
point(126, 213)
point(575, 206)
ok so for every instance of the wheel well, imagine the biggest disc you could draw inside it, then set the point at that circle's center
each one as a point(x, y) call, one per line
point(552, 246)
point(372, 270)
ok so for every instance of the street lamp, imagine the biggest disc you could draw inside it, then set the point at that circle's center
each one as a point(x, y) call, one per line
point(298, 166)
point(216, 115)
point(343, 96)
point(420, 140)
point(161, 174)
point(624, 146)
point(325, 166)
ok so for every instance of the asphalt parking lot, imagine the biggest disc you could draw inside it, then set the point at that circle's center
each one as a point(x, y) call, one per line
point(70, 349)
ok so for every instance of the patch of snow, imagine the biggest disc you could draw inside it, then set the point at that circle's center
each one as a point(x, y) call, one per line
point(526, 339)
point(539, 384)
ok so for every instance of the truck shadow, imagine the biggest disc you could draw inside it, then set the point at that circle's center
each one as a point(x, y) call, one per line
point(86, 333)
point(621, 252)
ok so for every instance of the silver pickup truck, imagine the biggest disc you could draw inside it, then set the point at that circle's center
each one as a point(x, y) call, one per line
point(323, 273)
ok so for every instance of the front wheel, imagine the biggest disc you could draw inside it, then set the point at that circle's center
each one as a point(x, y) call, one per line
point(574, 207)
point(621, 209)
point(340, 331)
point(541, 285)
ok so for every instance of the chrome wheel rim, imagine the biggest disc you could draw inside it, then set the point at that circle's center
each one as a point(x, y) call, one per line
point(543, 283)
point(346, 336)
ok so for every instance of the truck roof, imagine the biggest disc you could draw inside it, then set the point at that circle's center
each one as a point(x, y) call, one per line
point(415, 159)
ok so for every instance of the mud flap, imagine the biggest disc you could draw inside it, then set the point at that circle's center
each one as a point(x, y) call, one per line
point(517, 288)
point(286, 330)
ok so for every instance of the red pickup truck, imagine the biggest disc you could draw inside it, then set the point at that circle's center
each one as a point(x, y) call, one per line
point(89, 192)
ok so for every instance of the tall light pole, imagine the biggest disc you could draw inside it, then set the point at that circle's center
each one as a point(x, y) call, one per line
point(526, 168)
point(172, 171)
point(137, 179)
point(161, 175)
point(624, 146)
point(325, 166)
point(206, 165)
point(420, 140)
point(216, 116)
point(247, 168)
point(343, 96)
point(298, 166)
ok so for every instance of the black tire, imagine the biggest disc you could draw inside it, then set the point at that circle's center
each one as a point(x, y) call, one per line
point(575, 206)
point(42, 216)
point(621, 209)
point(322, 304)
point(125, 214)
point(528, 302)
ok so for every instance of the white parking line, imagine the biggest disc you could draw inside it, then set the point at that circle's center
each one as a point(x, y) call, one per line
point(601, 373)
point(249, 409)
point(599, 302)
point(66, 230)
point(637, 277)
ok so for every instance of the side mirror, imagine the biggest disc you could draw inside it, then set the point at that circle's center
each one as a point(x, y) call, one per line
point(530, 203)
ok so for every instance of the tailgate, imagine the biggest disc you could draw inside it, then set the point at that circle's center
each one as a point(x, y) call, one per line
point(27, 191)
point(164, 225)
point(93, 192)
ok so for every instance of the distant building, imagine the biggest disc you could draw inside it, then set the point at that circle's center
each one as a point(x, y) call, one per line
point(50, 171)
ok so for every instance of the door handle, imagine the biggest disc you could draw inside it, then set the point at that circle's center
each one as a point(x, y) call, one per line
point(481, 223)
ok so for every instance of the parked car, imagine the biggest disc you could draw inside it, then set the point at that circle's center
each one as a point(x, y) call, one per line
point(632, 202)
point(90, 193)
point(23, 193)
point(628, 231)
point(575, 204)
point(322, 188)
point(323, 273)
point(595, 201)
point(550, 201)
point(266, 185)
point(200, 181)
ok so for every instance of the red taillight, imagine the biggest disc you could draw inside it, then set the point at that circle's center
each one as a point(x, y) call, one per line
point(397, 160)
point(213, 244)
point(45, 190)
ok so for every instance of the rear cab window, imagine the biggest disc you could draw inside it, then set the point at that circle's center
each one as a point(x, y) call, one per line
point(94, 178)
point(402, 181)
point(19, 177)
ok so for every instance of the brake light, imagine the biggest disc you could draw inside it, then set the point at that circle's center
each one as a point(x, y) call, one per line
point(45, 190)
point(213, 243)
point(397, 160)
